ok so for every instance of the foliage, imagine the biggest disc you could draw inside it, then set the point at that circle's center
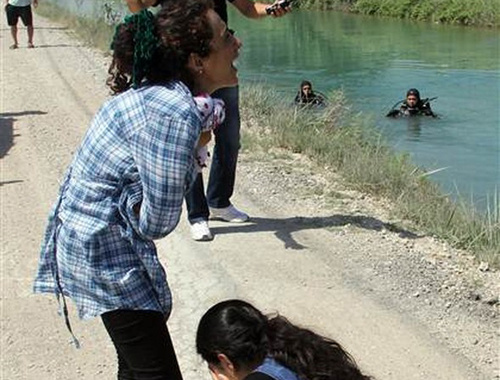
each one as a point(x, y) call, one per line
point(463, 12)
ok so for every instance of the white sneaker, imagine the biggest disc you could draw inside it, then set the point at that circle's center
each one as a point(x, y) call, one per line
point(200, 231)
point(229, 214)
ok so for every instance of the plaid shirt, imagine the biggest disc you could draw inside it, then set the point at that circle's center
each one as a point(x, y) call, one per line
point(98, 248)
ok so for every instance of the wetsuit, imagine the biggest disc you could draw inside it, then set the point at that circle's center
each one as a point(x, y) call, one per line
point(313, 99)
point(423, 108)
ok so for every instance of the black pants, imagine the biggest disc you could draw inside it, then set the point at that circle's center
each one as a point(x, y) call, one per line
point(14, 13)
point(143, 345)
point(223, 167)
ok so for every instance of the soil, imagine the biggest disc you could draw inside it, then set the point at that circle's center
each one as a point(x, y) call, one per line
point(403, 304)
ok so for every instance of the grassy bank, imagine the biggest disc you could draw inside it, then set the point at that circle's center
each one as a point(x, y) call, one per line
point(464, 12)
point(336, 139)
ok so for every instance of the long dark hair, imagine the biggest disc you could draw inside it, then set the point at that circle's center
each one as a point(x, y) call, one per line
point(238, 330)
point(157, 48)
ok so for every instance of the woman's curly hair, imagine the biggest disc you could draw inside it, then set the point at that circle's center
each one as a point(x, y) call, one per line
point(156, 48)
point(238, 330)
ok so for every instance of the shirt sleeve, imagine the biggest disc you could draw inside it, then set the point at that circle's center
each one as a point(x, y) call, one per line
point(164, 155)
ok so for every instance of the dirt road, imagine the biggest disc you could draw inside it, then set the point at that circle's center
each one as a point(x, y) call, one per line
point(406, 307)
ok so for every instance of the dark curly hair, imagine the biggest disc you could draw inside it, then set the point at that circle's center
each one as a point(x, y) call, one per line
point(238, 330)
point(178, 29)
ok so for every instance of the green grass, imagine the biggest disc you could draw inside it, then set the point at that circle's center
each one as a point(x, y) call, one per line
point(343, 142)
point(463, 12)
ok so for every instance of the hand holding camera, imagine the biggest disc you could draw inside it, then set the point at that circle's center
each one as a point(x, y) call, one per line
point(279, 7)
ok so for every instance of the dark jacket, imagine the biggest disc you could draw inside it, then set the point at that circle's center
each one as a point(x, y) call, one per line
point(314, 99)
point(423, 108)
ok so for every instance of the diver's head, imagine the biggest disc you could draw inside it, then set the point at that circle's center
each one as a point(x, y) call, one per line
point(412, 97)
point(306, 88)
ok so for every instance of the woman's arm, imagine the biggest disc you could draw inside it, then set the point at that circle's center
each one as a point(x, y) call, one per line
point(164, 154)
point(252, 9)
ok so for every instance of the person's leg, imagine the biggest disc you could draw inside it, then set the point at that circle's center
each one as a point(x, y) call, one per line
point(225, 155)
point(12, 18)
point(13, 32)
point(196, 202)
point(142, 341)
point(27, 18)
point(30, 36)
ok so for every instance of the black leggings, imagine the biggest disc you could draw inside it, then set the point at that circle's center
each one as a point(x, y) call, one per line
point(143, 345)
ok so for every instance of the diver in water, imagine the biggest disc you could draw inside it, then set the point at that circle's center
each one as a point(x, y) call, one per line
point(306, 95)
point(413, 105)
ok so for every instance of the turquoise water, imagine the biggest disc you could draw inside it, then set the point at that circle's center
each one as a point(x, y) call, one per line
point(375, 61)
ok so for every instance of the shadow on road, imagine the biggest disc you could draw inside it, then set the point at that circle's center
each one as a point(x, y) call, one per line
point(7, 120)
point(3, 183)
point(40, 27)
point(57, 45)
point(52, 27)
point(283, 228)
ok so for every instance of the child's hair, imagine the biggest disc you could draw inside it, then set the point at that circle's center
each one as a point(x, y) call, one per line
point(157, 47)
point(238, 330)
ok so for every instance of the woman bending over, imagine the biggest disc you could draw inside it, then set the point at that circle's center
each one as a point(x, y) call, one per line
point(126, 184)
point(240, 343)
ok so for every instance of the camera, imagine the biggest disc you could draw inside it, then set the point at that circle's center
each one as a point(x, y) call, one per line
point(282, 4)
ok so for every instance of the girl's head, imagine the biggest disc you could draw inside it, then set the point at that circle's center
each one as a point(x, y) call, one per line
point(185, 40)
point(232, 338)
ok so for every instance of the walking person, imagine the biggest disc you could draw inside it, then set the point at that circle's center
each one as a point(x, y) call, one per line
point(20, 9)
point(126, 184)
point(240, 343)
point(217, 201)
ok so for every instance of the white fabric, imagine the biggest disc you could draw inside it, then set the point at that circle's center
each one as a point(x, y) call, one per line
point(20, 3)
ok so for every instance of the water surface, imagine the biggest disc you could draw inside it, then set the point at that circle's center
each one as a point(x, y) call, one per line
point(375, 61)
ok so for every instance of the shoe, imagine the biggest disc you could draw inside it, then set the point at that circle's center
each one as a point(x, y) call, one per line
point(30, 45)
point(229, 214)
point(200, 231)
point(13, 46)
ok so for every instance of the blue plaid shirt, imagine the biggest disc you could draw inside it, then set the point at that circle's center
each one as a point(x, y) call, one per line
point(98, 248)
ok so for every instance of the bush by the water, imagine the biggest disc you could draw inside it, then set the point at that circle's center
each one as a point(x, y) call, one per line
point(464, 12)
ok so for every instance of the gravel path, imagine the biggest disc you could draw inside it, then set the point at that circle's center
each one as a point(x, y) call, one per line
point(406, 306)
